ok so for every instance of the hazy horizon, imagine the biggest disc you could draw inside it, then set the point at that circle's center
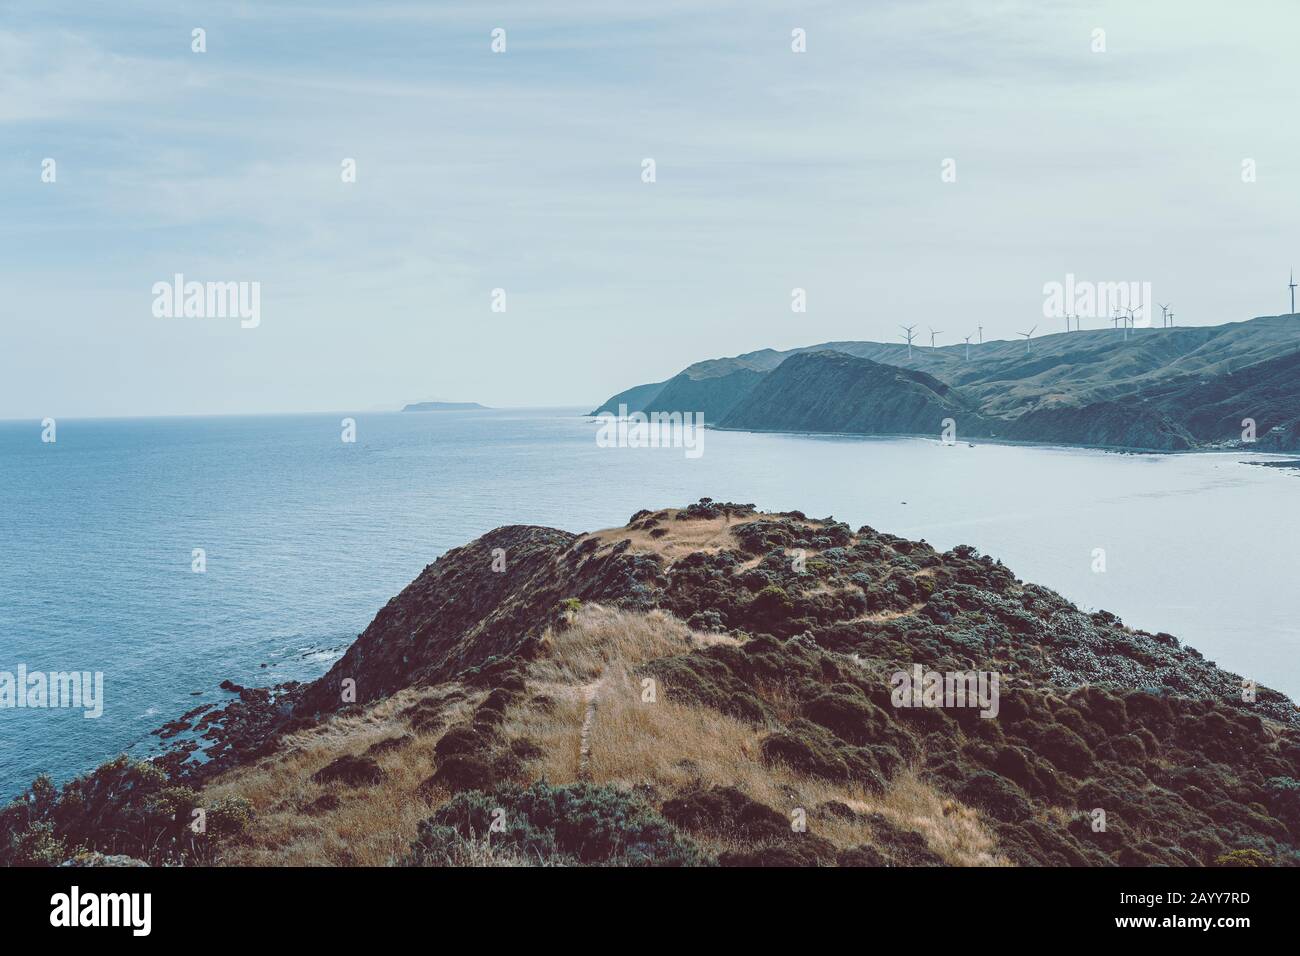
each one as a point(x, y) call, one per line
point(522, 171)
point(522, 406)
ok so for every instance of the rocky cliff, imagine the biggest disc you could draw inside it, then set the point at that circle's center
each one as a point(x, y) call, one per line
point(1116, 425)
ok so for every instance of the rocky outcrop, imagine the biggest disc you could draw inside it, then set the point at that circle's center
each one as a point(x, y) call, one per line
point(1092, 715)
point(864, 592)
point(787, 633)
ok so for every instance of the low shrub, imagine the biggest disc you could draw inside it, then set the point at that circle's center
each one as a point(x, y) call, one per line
point(577, 823)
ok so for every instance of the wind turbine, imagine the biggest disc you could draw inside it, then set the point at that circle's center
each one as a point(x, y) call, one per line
point(933, 333)
point(1164, 315)
point(1027, 336)
point(981, 328)
point(908, 332)
point(1293, 292)
point(1171, 320)
point(968, 338)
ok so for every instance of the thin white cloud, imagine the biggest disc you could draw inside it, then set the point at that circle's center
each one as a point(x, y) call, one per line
point(55, 75)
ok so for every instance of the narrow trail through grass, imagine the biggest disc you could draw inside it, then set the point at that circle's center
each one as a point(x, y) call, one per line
point(588, 722)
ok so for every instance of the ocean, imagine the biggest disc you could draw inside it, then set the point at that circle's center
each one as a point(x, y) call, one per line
point(304, 537)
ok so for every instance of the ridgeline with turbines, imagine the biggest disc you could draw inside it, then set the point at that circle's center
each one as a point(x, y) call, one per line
point(1150, 389)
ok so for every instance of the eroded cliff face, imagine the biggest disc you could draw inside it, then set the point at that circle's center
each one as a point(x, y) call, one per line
point(458, 613)
point(1118, 425)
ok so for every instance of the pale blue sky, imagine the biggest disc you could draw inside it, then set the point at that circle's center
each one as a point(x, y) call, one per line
point(522, 171)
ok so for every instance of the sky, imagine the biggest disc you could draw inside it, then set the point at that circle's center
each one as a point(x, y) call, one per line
point(522, 171)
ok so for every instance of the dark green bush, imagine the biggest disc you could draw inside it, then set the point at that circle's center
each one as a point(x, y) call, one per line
point(124, 807)
point(1066, 749)
point(727, 812)
point(849, 717)
point(1284, 801)
point(997, 796)
point(576, 823)
point(34, 845)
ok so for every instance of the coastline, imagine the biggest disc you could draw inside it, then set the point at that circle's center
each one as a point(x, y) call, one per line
point(1115, 449)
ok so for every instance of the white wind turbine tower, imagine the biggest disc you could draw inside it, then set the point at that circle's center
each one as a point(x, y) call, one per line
point(909, 331)
point(1164, 315)
point(1028, 335)
point(981, 329)
point(1131, 321)
point(968, 338)
point(933, 333)
point(1292, 287)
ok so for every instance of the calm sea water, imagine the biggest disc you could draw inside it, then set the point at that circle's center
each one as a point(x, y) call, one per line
point(307, 537)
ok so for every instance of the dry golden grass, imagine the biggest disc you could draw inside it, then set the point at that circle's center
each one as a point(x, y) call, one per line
point(674, 747)
point(598, 636)
point(685, 536)
point(878, 617)
point(372, 825)
point(669, 745)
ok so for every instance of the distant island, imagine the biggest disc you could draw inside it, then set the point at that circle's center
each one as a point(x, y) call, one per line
point(444, 407)
point(1140, 389)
